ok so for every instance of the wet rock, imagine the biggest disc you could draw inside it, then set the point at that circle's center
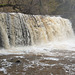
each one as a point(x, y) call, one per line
point(11, 59)
point(15, 60)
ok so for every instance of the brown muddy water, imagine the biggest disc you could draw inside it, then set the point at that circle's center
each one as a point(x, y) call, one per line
point(63, 63)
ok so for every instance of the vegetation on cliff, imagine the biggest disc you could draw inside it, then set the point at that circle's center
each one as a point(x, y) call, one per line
point(29, 6)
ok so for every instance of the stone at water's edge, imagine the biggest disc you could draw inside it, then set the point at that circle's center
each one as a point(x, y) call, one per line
point(22, 30)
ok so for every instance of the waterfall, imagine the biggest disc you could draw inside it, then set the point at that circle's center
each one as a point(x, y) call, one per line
point(17, 29)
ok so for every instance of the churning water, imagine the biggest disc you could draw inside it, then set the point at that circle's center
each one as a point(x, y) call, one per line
point(34, 33)
point(41, 42)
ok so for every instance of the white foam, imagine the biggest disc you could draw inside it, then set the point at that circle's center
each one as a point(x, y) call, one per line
point(4, 70)
point(41, 49)
point(51, 58)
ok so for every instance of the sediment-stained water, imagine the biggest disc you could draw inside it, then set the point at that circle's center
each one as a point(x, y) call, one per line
point(60, 63)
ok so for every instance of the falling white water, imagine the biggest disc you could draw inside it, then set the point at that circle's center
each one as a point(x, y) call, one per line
point(35, 34)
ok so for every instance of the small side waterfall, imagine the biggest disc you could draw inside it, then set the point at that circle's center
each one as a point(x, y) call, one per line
point(4, 41)
point(18, 29)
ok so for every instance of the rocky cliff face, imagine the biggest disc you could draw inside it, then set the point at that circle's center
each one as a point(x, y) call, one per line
point(29, 6)
point(37, 6)
point(66, 8)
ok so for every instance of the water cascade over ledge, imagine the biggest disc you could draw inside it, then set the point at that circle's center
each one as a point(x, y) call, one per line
point(18, 29)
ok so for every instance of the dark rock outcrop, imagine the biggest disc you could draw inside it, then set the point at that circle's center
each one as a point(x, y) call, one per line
point(37, 6)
